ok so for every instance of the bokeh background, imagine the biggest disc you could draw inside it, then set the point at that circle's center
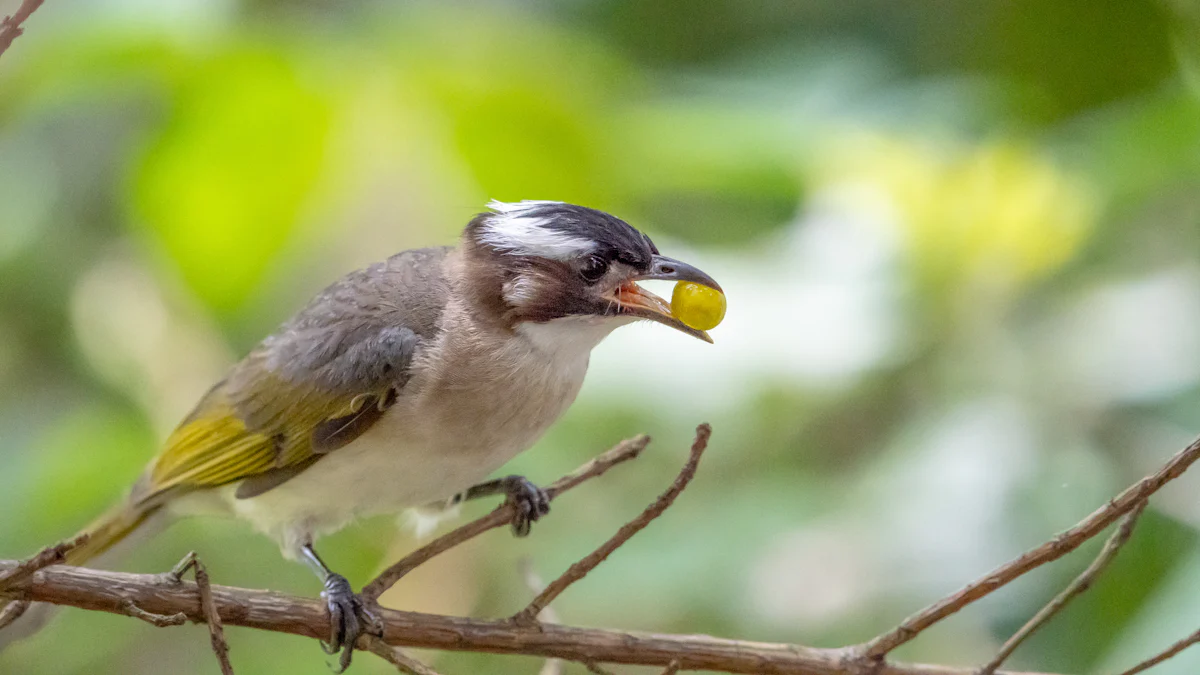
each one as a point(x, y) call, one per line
point(961, 243)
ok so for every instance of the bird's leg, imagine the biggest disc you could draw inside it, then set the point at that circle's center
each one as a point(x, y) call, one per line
point(348, 616)
point(531, 501)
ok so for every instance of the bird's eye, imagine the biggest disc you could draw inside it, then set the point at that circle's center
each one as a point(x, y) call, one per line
point(593, 268)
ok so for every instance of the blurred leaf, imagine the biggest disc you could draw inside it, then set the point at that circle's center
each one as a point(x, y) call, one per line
point(85, 462)
point(1078, 55)
point(675, 32)
point(224, 184)
point(1152, 146)
point(1186, 41)
point(28, 186)
point(1168, 615)
point(524, 114)
point(710, 175)
point(90, 65)
point(993, 218)
point(525, 145)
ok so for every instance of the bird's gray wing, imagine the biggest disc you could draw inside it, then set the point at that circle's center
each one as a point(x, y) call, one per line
point(318, 383)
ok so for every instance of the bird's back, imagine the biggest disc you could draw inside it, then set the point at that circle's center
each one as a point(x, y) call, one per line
point(349, 349)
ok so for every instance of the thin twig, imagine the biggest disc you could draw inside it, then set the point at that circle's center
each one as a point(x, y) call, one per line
point(533, 581)
point(1064, 543)
point(589, 562)
point(99, 590)
point(51, 555)
point(672, 668)
point(1163, 656)
point(395, 656)
point(15, 576)
point(216, 632)
point(1080, 584)
point(105, 591)
point(10, 27)
point(502, 515)
point(159, 620)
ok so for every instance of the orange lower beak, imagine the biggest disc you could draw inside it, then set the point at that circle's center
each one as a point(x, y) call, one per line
point(636, 301)
point(635, 296)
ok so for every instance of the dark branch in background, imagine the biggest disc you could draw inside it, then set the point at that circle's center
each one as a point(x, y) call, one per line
point(1081, 583)
point(10, 27)
point(165, 596)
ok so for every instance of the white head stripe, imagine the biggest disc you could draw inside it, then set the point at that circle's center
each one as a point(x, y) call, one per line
point(523, 205)
point(514, 229)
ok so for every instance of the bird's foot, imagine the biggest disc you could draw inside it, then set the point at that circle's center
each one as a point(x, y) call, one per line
point(531, 501)
point(348, 619)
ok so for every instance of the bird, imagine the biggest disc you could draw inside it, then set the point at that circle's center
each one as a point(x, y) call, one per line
point(406, 384)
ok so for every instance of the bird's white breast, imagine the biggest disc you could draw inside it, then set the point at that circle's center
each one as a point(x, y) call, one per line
point(469, 408)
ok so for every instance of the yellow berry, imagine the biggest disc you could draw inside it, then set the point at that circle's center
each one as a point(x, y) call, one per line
point(697, 306)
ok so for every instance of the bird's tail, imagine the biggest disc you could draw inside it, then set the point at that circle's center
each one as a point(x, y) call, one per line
point(109, 529)
point(103, 533)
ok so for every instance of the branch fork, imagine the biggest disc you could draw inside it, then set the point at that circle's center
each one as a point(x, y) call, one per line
point(11, 26)
point(163, 599)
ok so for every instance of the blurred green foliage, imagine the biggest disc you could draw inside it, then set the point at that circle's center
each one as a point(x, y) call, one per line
point(960, 242)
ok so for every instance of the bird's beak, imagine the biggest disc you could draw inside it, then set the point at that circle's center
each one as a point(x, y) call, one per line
point(633, 300)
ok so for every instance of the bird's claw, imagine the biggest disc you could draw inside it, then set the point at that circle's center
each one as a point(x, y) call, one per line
point(531, 503)
point(348, 619)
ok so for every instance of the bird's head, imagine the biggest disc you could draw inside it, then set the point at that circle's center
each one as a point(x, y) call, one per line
point(549, 261)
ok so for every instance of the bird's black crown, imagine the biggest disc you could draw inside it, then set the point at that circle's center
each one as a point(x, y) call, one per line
point(560, 230)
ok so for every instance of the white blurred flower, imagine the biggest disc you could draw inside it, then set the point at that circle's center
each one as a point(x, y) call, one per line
point(1132, 341)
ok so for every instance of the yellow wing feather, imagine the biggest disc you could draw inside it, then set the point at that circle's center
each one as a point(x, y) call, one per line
point(310, 382)
point(212, 448)
point(215, 446)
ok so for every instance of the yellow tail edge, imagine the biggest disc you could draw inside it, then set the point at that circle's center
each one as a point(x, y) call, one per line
point(107, 530)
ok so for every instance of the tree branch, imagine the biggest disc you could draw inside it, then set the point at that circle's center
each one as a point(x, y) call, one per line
point(157, 620)
point(1081, 583)
point(396, 656)
point(589, 562)
point(208, 607)
point(51, 555)
point(12, 611)
point(501, 516)
point(10, 27)
point(1165, 654)
point(165, 596)
point(22, 570)
point(1052, 550)
point(266, 610)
